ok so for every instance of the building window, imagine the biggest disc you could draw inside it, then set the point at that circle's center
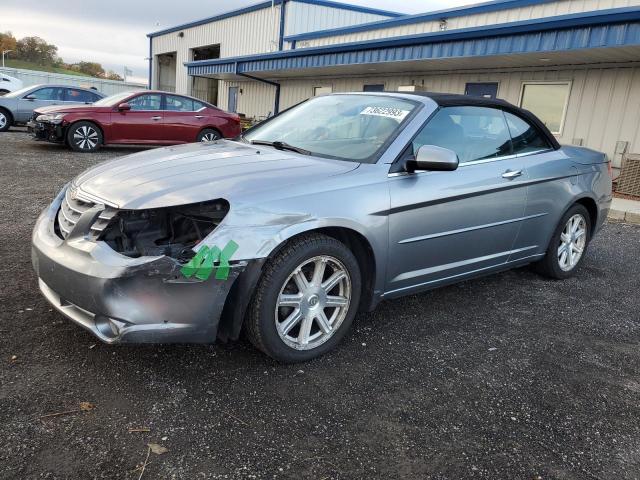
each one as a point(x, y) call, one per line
point(322, 91)
point(373, 87)
point(548, 101)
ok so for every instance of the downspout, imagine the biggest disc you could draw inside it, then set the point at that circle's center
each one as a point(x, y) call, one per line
point(150, 61)
point(276, 106)
point(282, 20)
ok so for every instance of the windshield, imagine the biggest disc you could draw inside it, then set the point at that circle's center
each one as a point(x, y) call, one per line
point(113, 100)
point(347, 127)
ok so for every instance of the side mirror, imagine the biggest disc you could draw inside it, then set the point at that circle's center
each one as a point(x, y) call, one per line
point(30, 97)
point(123, 107)
point(430, 157)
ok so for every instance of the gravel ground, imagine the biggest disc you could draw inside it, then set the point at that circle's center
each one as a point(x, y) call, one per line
point(511, 376)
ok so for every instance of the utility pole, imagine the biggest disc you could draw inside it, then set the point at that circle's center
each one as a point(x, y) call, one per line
point(3, 52)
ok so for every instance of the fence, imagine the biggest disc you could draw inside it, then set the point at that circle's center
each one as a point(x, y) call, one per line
point(34, 77)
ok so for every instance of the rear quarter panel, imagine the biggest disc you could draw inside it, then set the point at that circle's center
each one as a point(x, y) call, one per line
point(558, 179)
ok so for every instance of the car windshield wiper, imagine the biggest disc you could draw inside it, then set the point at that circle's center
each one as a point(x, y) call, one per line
point(281, 146)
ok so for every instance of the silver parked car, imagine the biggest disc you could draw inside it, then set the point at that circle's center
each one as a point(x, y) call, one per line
point(18, 106)
point(325, 210)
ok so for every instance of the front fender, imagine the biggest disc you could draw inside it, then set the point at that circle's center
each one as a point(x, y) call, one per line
point(259, 241)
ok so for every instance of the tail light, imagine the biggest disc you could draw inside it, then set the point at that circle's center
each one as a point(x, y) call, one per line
point(235, 117)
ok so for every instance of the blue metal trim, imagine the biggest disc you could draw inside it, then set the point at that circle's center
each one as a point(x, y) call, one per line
point(359, 50)
point(222, 16)
point(491, 6)
point(353, 8)
point(150, 61)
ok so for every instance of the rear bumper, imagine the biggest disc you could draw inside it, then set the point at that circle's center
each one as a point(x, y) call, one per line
point(121, 299)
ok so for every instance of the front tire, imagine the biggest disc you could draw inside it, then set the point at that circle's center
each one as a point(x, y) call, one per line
point(84, 137)
point(6, 120)
point(306, 299)
point(209, 135)
point(568, 245)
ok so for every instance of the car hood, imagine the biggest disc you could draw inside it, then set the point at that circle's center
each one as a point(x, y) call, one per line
point(204, 171)
point(79, 108)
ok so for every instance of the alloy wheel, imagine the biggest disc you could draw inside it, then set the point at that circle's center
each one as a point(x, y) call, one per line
point(86, 137)
point(3, 120)
point(573, 240)
point(209, 137)
point(313, 302)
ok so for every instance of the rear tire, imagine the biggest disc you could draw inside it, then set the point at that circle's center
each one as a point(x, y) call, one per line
point(84, 137)
point(305, 300)
point(568, 245)
point(209, 135)
point(6, 120)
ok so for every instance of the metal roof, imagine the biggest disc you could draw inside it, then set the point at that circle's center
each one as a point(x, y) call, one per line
point(604, 28)
point(492, 6)
point(269, 4)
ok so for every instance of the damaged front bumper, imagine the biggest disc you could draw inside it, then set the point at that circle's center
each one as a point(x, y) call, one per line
point(121, 299)
point(46, 131)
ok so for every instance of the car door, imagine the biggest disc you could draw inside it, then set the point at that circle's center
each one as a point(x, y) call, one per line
point(551, 177)
point(40, 97)
point(183, 118)
point(445, 225)
point(143, 123)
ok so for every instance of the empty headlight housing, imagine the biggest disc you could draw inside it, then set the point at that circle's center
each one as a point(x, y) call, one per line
point(171, 231)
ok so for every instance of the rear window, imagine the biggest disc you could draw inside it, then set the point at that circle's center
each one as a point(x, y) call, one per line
point(526, 137)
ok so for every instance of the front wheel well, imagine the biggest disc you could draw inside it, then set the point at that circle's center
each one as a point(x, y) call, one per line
point(363, 252)
point(8, 114)
point(241, 294)
point(98, 126)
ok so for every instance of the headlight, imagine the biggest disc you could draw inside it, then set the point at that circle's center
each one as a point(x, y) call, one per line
point(171, 231)
point(51, 117)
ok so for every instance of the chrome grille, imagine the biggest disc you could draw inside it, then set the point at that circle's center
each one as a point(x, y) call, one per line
point(72, 209)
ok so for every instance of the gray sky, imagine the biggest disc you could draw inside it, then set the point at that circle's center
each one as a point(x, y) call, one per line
point(113, 33)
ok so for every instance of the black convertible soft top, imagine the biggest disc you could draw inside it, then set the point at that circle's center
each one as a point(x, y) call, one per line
point(455, 100)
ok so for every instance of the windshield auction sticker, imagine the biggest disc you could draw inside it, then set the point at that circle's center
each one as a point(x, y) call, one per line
point(389, 112)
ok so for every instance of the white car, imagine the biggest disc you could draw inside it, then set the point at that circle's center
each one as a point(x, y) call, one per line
point(9, 84)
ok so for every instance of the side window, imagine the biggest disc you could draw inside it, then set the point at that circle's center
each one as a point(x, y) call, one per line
point(151, 101)
point(179, 104)
point(82, 96)
point(47, 93)
point(198, 106)
point(474, 133)
point(524, 136)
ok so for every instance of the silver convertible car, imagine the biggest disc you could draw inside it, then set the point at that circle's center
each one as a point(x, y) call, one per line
point(320, 212)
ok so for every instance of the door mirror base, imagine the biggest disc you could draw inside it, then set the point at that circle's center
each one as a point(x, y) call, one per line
point(433, 158)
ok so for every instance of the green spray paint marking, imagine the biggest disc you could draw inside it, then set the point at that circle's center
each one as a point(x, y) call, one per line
point(202, 265)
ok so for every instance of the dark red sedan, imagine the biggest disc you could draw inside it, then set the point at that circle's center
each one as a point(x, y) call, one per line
point(145, 117)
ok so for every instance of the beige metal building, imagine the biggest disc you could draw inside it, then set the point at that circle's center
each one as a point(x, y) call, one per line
point(575, 63)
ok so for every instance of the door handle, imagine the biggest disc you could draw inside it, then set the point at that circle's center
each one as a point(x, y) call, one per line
point(199, 116)
point(156, 118)
point(511, 174)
